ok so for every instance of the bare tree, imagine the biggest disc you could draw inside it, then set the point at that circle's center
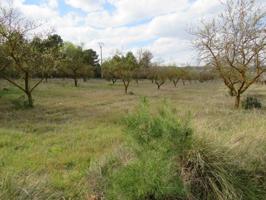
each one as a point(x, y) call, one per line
point(144, 58)
point(234, 44)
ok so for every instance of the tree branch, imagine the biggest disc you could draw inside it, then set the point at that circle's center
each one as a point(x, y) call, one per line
point(14, 83)
point(36, 85)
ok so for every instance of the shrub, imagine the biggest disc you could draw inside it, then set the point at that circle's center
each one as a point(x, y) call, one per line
point(172, 165)
point(211, 172)
point(162, 131)
point(151, 177)
point(251, 103)
point(101, 169)
point(158, 140)
point(207, 174)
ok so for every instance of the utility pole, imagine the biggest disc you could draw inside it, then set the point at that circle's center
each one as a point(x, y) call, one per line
point(101, 44)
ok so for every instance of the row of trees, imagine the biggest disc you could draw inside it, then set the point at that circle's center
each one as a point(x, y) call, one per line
point(130, 67)
point(78, 63)
point(233, 45)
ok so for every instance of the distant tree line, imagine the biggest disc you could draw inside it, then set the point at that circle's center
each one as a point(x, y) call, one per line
point(129, 67)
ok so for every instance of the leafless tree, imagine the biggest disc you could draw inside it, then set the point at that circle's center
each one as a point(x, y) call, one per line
point(234, 44)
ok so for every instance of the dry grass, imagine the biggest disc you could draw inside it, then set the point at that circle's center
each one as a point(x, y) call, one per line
point(70, 128)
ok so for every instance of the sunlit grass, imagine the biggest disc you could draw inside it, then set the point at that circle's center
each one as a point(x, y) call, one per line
point(53, 146)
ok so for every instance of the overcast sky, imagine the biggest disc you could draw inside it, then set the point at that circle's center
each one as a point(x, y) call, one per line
point(158, 25)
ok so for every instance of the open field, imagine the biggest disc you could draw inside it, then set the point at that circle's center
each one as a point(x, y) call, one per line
point(50, 148)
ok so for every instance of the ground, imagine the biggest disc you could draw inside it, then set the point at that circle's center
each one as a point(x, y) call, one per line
point(70, 129)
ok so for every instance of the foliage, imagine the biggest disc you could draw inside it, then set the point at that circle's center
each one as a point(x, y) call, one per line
point(51, 56)
point(206, 75)
point(158, 75)
point(75, 62)
point(144, 59)
point(91, 58)
point(122, 67)
point(164, 128)
point(174, 75)
point(21, 54)
point(251, 102)
point(150, 177)
point(172, 164)
point(160, 139)
point(109, 69)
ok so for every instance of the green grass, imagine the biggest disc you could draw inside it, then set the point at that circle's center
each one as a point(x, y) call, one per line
point(53, 147)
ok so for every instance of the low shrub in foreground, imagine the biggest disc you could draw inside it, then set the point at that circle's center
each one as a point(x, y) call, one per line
point(251, 103)
point(150, 177)
point(162, 131)
point(158, 141)
point(171, 164)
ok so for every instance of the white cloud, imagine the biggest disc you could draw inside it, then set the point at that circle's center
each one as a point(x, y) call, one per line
point(86, 5)
point(52, 3)
point(158, 25)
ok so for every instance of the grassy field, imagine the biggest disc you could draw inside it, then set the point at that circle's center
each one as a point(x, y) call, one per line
point(49, 150)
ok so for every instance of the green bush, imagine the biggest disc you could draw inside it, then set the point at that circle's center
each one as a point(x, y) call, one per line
point(161, 131)
point(172, 165)
point(159, 140)
point(150, 177)
point(251, 103)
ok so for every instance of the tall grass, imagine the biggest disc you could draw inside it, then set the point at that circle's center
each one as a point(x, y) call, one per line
point(13, 188)
point(173, 164)
point(75, 143)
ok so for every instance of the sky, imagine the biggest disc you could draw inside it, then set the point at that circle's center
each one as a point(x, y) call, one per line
point(161, 26)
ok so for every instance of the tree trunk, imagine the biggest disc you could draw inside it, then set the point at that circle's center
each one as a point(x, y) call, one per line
point(76, 82)
point(159, 84)
point(30, 100)
point(126, 87)
point(27, 90)
point(175, 83)
point(114, 81)
point(183, 82)
point(126, 84)
point(46, 79)
point(237, 101)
